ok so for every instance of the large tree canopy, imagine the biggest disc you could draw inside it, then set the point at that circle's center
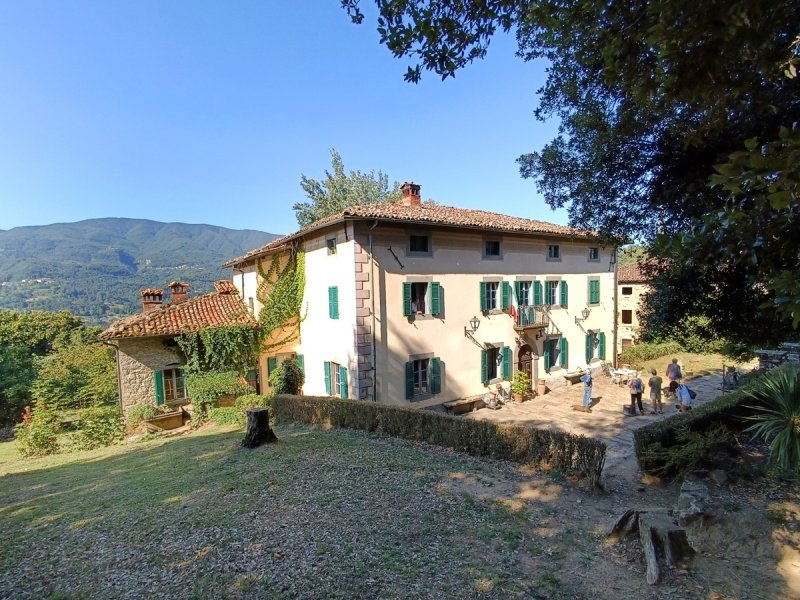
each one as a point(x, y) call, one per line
point(340, 189)
point(677, 129)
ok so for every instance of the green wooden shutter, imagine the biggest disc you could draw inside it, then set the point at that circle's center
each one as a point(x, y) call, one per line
point(506, 362)
point(333, 302)
point(594, 291)
point(436, 299)
point(327, 378)
point(272, 364)
point(547, 364)
point(409, 380)
point(537, 293)
point(589, 347)
point(484, 367)
point(406, 299)
point(601, 345)
point(436, 375)
point(563, 352)
point(158, 380)
point(301, 362)
point(517, 290)
point(343, 382)
point(506, 298)
point(564, 293)
point(484, 306)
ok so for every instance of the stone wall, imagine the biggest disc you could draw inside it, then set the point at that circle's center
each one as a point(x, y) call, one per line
point(137, 360)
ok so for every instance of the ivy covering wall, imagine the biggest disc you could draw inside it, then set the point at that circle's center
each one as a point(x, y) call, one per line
point(280, 293)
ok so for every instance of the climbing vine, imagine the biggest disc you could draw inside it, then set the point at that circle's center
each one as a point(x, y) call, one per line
point(231, 347)
point(281, 296)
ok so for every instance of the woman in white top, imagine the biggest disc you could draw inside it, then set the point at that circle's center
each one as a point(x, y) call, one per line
point(682, 395)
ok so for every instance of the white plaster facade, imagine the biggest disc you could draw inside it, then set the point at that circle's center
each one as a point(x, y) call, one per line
point(371, 263)
point(630, 295)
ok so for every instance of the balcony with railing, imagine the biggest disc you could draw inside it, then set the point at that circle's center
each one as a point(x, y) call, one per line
point(532, 317)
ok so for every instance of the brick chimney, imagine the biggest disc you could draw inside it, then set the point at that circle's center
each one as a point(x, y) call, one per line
point(178, 291)
point(410, 192)
point(152, 299)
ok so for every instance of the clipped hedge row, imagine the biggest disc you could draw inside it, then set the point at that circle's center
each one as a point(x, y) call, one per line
point(562, 451)
point(641, 352)
point(729, 410)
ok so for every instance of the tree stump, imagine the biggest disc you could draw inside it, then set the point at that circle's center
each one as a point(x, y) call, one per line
point(258, 430)
point(663, 541)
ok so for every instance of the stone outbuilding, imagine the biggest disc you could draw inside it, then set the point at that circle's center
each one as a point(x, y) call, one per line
point(150, 366)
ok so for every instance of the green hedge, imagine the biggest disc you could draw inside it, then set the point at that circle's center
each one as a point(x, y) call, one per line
point(562, 451)
point(729, 410)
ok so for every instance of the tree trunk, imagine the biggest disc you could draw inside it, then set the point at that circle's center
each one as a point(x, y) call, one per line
point(258, 430)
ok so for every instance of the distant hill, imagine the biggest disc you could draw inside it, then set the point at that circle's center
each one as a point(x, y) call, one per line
point(95, 268)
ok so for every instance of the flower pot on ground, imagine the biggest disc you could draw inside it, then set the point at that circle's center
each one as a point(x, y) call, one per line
point(520, 385)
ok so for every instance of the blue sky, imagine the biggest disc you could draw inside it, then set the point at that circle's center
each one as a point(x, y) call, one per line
point(209, 112)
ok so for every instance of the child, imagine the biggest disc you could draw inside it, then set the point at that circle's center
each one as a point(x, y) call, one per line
point(655, 392)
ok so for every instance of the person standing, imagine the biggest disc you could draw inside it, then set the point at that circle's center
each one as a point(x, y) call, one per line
point(654, 383)
point(674, 371)
point(586, 378)
point(637, 387)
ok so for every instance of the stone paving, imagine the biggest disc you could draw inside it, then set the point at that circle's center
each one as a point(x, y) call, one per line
point(606, 422)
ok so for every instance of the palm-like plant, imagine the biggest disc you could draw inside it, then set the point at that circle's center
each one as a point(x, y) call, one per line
point(777, 418)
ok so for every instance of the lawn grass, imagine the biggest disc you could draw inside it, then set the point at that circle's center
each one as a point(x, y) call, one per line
point(696, 364)
point(321, 514)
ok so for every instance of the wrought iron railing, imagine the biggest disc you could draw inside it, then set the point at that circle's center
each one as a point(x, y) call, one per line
point(532, 316)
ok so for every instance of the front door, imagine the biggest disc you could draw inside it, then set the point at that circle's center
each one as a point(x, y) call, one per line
point(525, 361)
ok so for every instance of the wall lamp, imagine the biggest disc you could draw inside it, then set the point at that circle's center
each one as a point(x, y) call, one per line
point(474, 323)
point(585, 312)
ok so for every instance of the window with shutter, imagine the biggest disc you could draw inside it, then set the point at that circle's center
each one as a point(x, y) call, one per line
point(563, 353)
point(601, 345)
point(506, 361)
point(327, 368)
point(537, 293)
point(563, 300)
point(589, 347)
point(594, 291)
point(272, 364)
point(333, 302)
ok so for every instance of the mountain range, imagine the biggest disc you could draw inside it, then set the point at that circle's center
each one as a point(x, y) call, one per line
point(95, 268)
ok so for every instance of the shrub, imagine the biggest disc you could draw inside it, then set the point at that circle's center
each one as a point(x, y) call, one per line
point(692, 448)
point(777, 416)
point(37, 435)
point(100, 427)
point(140, 413)
point(560, 450)
point(252, 401)
point(287, 378)
point(226, 415)
point(639, 353)
point(729, 410)
point(206, 388)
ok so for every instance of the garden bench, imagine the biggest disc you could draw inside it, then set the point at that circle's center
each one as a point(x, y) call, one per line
point(464, 405)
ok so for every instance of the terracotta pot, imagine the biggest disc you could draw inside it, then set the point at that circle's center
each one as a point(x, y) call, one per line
point(519, 398)
point(541, 387)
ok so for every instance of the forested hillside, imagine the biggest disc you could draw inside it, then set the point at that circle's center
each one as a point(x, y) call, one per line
point(95, 268)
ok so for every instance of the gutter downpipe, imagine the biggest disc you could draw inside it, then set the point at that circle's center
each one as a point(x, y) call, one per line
point(616, 306)
point(372, 311)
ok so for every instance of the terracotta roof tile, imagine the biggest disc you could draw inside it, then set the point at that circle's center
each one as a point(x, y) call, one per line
point(223, 307)
point(631, 273)
point(424, 214)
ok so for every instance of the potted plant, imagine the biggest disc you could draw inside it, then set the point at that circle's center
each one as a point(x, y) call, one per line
point(520, 385)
